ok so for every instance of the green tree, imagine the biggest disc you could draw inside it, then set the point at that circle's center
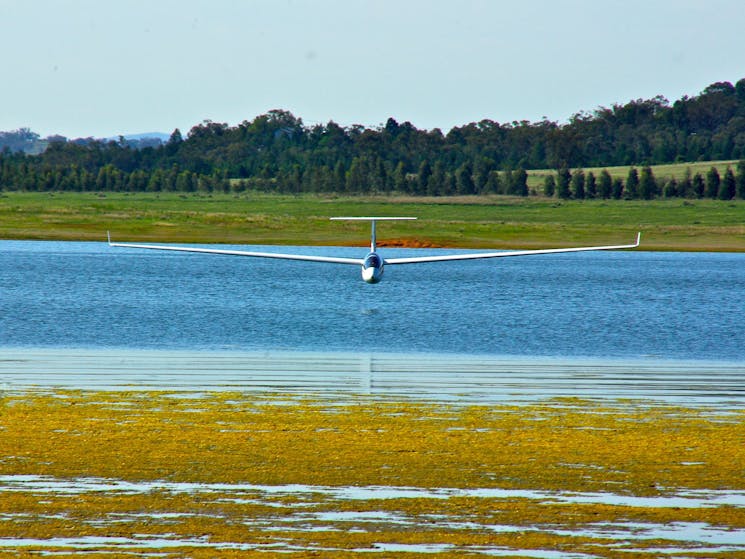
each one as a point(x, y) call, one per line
point(671, 189)
point(618, 188)
point(399, 178)
point(175, 138)
point(493, 183)
point(647, 184)
point(631, 190)
point(506, 182)
point(174, 144)
point(436, 184)
point(728, 187)
point(313, 181)
point(222, 183)
point(562, 183)
point(549, 186)
point(740, 179)
point(340, 177)
point(378, 177)
point(86, 180)
point(136, 181)
point(698, 186)
point(449, 189)
point(464, 179)
point(102, 179)
point(481, 168)
point(685, 188)
point(520, 182)
point(155, 182)
point(740, 89)
point(356, 176)
point(27, 178)
point(292, 180)
point(578, 184)
point(169, 179)
point(605, 185)
point(185, 182)
point(425, 172)
point(591, 186)
point(713, 181)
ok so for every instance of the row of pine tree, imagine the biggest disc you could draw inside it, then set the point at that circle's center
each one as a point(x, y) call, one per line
point(365, 176)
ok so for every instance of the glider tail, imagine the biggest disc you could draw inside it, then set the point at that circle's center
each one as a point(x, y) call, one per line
point(372, 220)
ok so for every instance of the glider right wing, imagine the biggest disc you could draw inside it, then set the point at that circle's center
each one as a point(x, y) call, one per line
point(504, 254)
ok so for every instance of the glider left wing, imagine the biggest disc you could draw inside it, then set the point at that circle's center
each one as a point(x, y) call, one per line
point(307, 257)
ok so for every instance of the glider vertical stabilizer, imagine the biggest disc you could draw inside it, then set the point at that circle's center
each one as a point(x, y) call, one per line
point(372, 220)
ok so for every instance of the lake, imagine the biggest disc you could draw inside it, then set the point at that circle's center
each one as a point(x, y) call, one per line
point(609, 305)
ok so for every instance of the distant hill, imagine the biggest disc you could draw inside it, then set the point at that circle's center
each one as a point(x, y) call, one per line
point(159, 136)
point(143, 140)
point(21, 140)
point(25, 141)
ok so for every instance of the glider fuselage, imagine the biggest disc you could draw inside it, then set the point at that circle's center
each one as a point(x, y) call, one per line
point(372, 268)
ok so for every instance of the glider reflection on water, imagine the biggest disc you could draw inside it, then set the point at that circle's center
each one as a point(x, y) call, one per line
point(373, 263)
point(435, 377)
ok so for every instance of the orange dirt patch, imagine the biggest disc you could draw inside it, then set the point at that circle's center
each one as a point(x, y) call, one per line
point(407, 243)
point(395, 243)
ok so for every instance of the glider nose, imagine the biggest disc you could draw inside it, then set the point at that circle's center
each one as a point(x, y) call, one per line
point(372, 268)
point(372, 275)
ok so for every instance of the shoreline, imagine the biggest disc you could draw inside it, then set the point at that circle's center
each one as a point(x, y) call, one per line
point(645, 362)
point(489, 222)
point(451, 378)
point(384, 244)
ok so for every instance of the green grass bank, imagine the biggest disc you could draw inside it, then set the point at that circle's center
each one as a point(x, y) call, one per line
point(662, 173)
point(468, 222)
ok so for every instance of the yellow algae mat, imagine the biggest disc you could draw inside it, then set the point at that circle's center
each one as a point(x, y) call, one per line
point(121, 474)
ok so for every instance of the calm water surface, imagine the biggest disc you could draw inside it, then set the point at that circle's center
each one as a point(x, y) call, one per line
point(625, 305)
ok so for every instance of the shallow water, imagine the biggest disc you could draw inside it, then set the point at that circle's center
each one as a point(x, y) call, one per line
point(47, 484)
point(301, 517)
point(421, 376)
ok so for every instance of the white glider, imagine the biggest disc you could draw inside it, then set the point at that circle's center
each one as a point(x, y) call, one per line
point(373, 264)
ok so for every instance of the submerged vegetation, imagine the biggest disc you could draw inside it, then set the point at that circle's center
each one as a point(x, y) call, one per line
point(228, 474)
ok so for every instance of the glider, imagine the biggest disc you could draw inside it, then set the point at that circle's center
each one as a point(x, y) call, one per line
point(373, 264)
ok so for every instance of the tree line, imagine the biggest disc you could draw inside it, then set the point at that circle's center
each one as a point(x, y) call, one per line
point(107, 178)
point(566, 184)
point(277, 152)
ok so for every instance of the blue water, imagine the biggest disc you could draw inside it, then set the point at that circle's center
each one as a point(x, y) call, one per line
point(629, 304)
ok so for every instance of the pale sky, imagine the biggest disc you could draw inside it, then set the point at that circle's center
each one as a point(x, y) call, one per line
point(108, 67)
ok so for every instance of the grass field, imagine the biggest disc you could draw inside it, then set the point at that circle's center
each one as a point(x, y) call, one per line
point(469, 222)
point(661, 172)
